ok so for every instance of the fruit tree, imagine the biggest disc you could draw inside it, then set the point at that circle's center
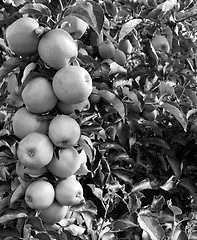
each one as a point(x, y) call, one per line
point(98, 119)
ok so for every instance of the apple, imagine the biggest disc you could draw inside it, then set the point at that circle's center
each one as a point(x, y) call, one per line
point(57, 48)
point(106, 49)
point(21, 37)
point(64, 131)
point(75, 26)
point(119, 57)
point(72, 84)
point(69, 192)
point(40, 194)
point(160, 43)
point(38, 95)
point(125, 46)
point(35, 150)
point(54, 213)
point(65, 163)
point(25, 122)
point(150, 116)
point(71, 108)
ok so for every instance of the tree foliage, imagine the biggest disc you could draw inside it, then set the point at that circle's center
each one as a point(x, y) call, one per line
point(141, 177)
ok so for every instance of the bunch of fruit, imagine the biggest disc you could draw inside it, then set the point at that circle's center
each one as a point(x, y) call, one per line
point(50, 145)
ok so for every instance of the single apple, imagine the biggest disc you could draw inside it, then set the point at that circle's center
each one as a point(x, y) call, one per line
point(40, 194)
point(72, 84)
point(64, 131)
point(69, 192)
point(35, 150)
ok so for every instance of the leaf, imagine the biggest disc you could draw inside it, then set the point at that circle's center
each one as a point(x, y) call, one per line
point(161, 9)
point(128, 27)
point(36, 223)
point(8, 231)
point(116, 68)
point(151, 226)
point(88, 219)
point(167, 5)
point(18, 192)
point(157, 142)
point(75, 230)
point(87, 148)
point(180, 235)
point(83, 170)
point(4, 173)
point(14, 100)
point(43, 236)
point(13, 214)
point(8, 66)
point(88, 206)
point(189, 186)
point(192, 95)
point(169, 184)
point(123, 174)
point(4, 202)
point(176, 210)
point(151, 53)
point(108, 235)
point(157, 203)
point(110, 8)
point(175, 165)
point(177, 113)
point(122, 225)
point(144, 184)
point(3, 46)
point(35, 8)
point(166, 88)
point(96, 191)
point(90, 12)
point(30, 67)
point(114, 101)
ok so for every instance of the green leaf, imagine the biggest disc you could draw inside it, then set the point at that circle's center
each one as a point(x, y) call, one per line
point(8, 66)
point(96, 191)
point(177, 113)
point(13, 214)
point(87, 148)
point(36, 224)
point(110, 8)
point(3, 46)
point(128, 27)
point(35, 8)
point(19, 192)
point(175, 165)
point(180, 235)
point(151, 53)
point(166, 88)
point(122, 225)
point(192, 95)
point(151, 226)
point(176, 210)
point(144, 184)
point(167, 5)
point(8, 231)
point(114, 101)
point(90, 12)
point(157, 142)
point(190, 186)
point(162, 8)
point(157, 203)
point(43, 236)
point(123, 174)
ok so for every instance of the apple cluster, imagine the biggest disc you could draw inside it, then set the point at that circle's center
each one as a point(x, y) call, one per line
point(48, 147)
point(52, 154)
